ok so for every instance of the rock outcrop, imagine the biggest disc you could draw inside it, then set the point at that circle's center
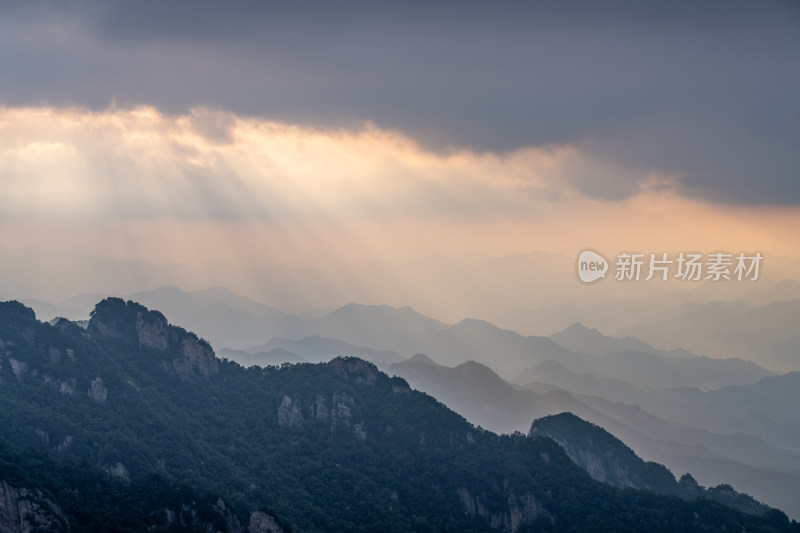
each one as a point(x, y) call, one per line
point(194, 354)
point(521, 511)
point(189, 518)
point(261, 522)
point(67, 386)
point(30, 511)
point(25, 511)
point(152, 330)
point(182, 352)
point(602, 455)
point(18, 367)
point(338, 412)
point(290, 412)
point(355, 369)
point(97, 391)
point(608, 459)
point(118, 470)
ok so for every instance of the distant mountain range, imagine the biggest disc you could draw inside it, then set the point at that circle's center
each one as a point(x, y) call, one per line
point(766, 334)
point(318, 349)
point(619, 312)
point(484, 398)
point(134, 424)
point(229, 320)
point(748, 409)
point(274, 357)
point(581, 339)
point(760, 333)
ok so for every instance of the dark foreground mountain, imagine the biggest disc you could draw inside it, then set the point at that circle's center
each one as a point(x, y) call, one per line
point(608, 459)
point(134, 424)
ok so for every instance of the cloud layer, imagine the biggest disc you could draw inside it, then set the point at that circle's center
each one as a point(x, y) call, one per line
point(147, 184)
point(139, 163)
point(703, 94)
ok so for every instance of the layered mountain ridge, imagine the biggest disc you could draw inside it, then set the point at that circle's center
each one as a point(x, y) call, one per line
point(134, 422)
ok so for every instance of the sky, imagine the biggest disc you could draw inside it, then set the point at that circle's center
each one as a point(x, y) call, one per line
point(320, 153)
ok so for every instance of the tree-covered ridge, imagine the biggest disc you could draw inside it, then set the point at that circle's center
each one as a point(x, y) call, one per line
point(322, 447)
point(608, 459)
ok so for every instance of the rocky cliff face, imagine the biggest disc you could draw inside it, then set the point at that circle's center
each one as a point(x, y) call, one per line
point(193, 354)
point(602, 455)
point(355, 369)
point(97, 391)
point(189, 518)
point(29, 511)
point(152, 329)
point(603, 465)
point(521, 511)
point(26, 511)
point(261, 522)
point(186, 518)
point(608, 459)
point(183, 353)
point(339, 410)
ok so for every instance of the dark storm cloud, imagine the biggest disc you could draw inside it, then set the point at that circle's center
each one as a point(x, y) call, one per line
point(705, 91)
